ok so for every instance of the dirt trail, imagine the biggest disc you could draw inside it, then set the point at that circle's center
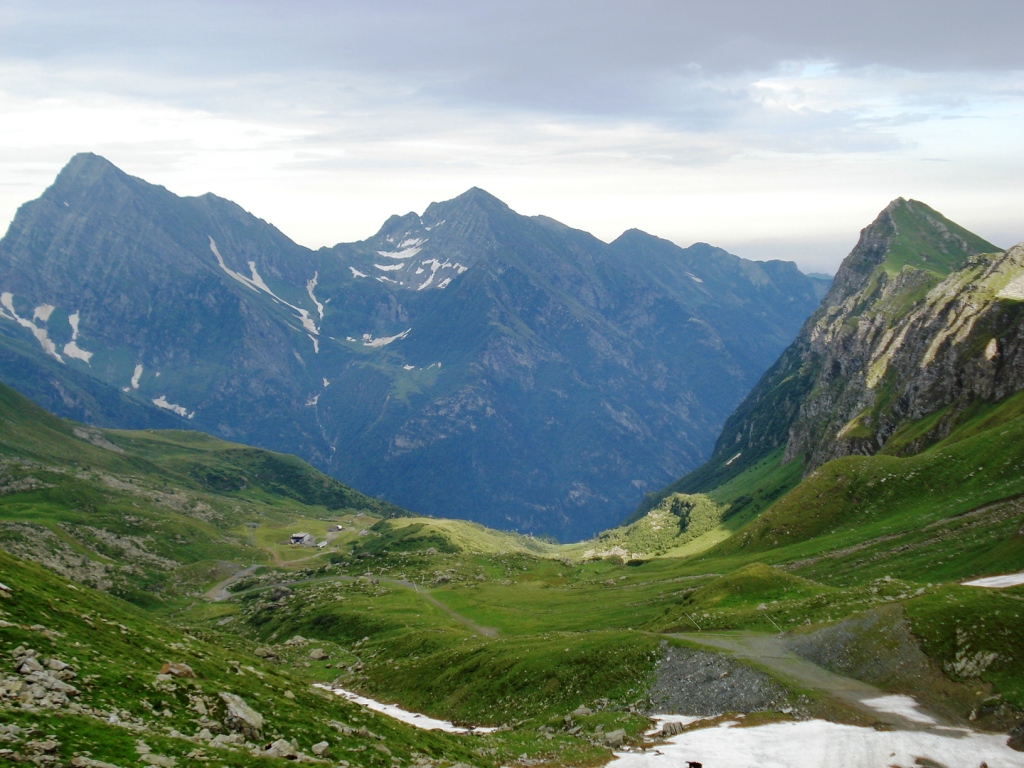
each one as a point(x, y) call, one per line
point(770, 652)
point(220, 593)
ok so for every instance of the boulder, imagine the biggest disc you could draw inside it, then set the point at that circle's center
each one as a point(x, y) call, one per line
point(297, 640)
point(241, 718)
point(582, 711)
point(672, 729)
point(28, 665)
point(177, 670)
point(321, 748)
point(264, 653)
point(163, 761)
point(318, 654)
point(280, 748)
point(615, 739)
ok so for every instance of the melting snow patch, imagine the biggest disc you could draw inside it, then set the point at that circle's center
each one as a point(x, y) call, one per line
point(326, 383)
point(7, 301)
point(730, 461)
point(161, 402)
point(904, 706)
point(137, 376)
point(310, 287)
point(71, 349)
point(694, 277)
point(409, 367)
point(820, 744)
point(356, 272)
point(997, 582)
point(257, 284)
point(43, 312)
point(415, 719)
point(388, 267)
point(313, 400)
point(383, 279)
point(369, 341)
point(444, 283)
point(316, 344)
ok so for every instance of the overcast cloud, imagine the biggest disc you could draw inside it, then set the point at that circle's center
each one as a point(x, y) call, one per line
point(775, 129)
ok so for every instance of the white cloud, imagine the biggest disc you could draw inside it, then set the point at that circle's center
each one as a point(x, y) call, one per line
point(788, 142)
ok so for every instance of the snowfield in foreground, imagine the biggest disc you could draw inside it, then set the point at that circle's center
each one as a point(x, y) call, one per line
point(821, 744)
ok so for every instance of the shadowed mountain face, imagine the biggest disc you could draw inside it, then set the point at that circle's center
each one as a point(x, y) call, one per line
point(469, 362)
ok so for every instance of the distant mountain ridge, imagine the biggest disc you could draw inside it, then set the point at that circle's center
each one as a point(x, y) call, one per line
point(466, 362)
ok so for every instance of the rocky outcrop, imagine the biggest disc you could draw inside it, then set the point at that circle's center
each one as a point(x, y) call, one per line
point(922, 318)
point(902, 358)
point(241, 718)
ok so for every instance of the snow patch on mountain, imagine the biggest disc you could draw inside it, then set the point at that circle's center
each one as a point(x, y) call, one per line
point(7, 301)
point(43, 312)
point(406, 249)
point(694, 277)
point(161, 402)
point(444, 283)
point(71, 349)
point(356, 272)
point(310, 287)
point(383, 279)
point(388, 267)
point(137, 376)
point(316, 344)
point(258, 284)
point(369, 341)
point(313, 400)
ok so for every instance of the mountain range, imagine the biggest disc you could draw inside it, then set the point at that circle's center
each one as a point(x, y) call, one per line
point(468, 362)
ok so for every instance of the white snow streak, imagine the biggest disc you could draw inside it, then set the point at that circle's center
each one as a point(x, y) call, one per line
point(820, 744)
point(326, 383)
point(444, 283)
point(388, 267)
point(310, 287)
point(316, 344)
point(71, 349)
point(694, 277)
point(137, 376)
point(313, 400)
point(409, 367)
point(257, 284)
point(161, 402)
point(356, 272)
point(369, 341)
point(383, 279)
point(43, 312)
point(997, 582)
point(7, 301)
point(423, 722)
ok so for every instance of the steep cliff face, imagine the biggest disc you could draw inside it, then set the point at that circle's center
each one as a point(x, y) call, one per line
point(961, 343)
point(921, 317)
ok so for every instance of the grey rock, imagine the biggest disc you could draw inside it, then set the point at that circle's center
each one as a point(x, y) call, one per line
point(321, 748)
point(318, 654)
point(242, 718)
point(281, 749)
point(615, 739)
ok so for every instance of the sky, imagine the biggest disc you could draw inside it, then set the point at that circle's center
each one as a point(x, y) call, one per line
point(775, 130)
